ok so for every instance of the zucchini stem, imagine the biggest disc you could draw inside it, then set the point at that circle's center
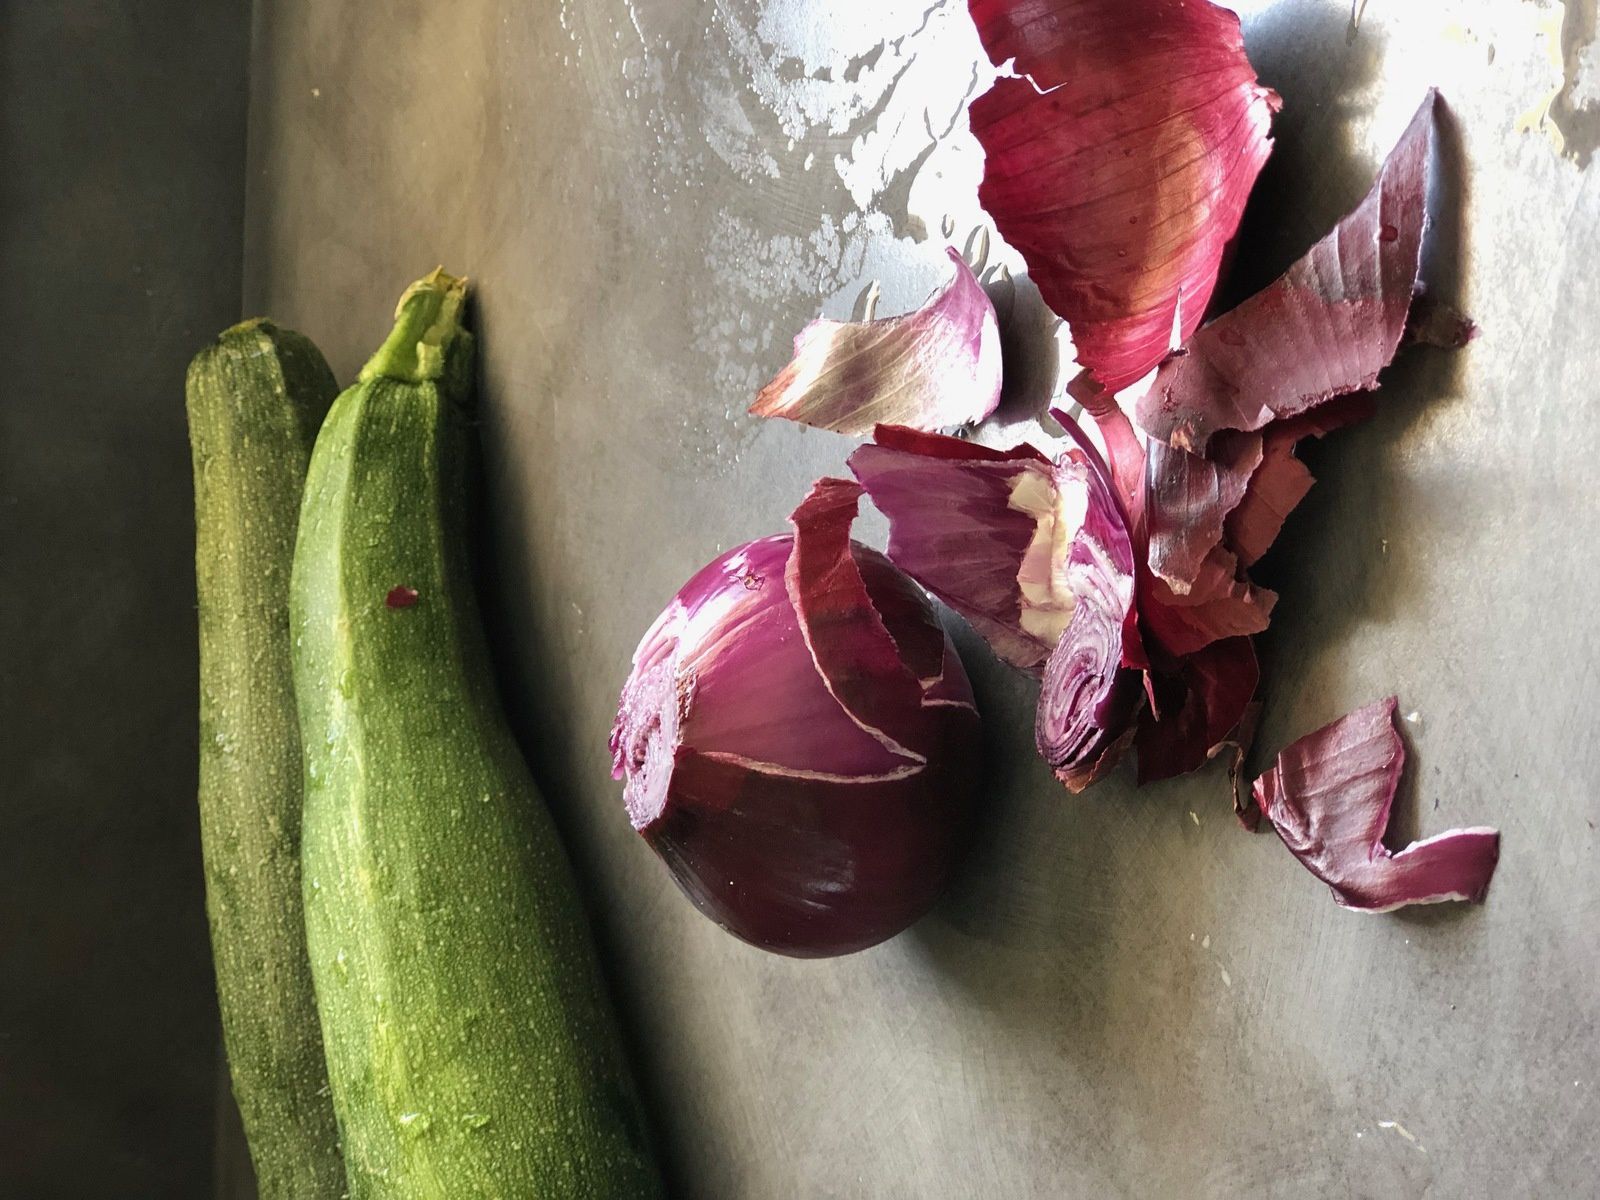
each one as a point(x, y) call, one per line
point(427, 325)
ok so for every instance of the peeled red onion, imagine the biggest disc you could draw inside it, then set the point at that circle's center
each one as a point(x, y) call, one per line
point(798, 739)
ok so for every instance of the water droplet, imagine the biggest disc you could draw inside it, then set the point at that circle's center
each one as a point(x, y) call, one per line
point(1388, 234)
point(414, 1123)
point(342, 964)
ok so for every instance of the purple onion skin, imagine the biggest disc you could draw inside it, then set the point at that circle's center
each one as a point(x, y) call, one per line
point(1087, 699)
point(791, 863)
point(797, 870)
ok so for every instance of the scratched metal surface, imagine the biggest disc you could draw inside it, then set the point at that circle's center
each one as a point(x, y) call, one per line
point(1126, 995)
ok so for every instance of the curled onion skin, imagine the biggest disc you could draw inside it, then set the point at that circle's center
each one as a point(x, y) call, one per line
point(933, 368)
point(1325, 328)
point(798, 740)
point(955, 526)
point(1087, 698)
point(1329, 796)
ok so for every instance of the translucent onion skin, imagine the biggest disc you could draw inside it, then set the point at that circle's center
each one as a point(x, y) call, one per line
point(798, 740)
point(1119, 151)
point(930, 369)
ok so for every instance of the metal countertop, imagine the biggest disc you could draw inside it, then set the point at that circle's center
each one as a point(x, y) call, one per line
point(1125, 994)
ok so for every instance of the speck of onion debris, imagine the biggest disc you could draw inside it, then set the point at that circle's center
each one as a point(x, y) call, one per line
point(1403, 1132)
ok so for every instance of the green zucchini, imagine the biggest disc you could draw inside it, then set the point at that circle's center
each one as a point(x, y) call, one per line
point(471, 1046)
point(255, 399)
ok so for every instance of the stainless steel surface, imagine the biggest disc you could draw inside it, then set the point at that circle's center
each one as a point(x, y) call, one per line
point(1126, 995)
point(121, 205)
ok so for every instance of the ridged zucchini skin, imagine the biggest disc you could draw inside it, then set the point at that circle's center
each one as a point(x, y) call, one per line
point(255, 400)
point(471, 1046)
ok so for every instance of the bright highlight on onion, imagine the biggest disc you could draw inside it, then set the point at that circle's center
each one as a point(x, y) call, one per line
point(798, 739)
point(934, 368)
